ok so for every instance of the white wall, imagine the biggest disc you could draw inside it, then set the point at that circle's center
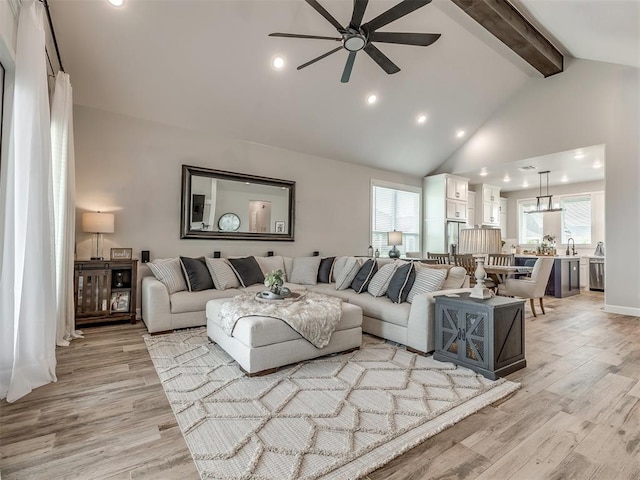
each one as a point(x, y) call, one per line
point(132, 168)
point(589, 103)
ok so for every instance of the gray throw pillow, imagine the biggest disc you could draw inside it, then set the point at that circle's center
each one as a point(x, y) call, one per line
point(401, 283)
point(196, 274)
point(247, 270)
point(305, 270)
point(364, 276)
point(427, 280)
point(380, 281)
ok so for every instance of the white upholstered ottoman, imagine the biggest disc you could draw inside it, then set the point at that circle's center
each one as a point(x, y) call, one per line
point(262, 344)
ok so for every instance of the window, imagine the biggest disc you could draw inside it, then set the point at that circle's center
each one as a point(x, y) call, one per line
point(530, 225)
point(576, 218)
point(395, 207)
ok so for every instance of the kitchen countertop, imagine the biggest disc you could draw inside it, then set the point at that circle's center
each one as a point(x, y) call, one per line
point(551, 256)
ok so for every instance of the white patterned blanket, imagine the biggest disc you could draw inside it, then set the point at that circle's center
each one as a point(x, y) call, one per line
point(313, 315)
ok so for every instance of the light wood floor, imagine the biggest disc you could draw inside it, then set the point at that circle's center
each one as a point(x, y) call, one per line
point(577, 414)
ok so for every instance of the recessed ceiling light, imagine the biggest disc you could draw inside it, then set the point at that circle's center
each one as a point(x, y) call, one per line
point(564, 179)
point(597, 165)
point(277, 62)
point(460, 133)
point(371, 99)
point(506, 178)
point(421, 118)
point(578, 156)
point(116, 3)
point(483, 172)
point(525, 184)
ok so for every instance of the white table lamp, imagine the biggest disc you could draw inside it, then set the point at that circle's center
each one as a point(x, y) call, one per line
point(480, 241)
point(97, 223)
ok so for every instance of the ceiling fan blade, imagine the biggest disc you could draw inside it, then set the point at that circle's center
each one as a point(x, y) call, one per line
point(321, 10)
point(381, 59)
point(421, 39)
point(319, 58)
point(400, 10)
point(295, 35)
point(347, 67)
point(359, 6)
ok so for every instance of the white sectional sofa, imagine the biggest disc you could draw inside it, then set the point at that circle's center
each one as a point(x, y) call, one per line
point(411, 324)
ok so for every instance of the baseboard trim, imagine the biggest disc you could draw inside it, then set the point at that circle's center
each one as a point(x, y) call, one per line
point(633, 312)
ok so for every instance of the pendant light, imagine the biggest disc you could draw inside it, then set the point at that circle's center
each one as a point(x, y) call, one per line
point(544, 203)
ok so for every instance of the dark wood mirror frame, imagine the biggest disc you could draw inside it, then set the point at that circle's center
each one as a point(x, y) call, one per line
point(186, 206)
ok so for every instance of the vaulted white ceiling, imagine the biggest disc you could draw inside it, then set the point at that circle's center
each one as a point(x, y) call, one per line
point(206, 65)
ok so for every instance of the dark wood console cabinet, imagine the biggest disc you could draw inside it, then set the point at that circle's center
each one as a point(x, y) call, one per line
point(105, 291)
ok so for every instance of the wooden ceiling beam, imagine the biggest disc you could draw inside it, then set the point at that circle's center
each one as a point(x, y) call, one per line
point(515, 31)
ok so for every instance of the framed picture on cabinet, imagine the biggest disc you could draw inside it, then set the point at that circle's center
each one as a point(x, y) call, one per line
point(119, 302)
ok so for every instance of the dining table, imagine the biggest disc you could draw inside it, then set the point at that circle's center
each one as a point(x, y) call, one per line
point(499, 273)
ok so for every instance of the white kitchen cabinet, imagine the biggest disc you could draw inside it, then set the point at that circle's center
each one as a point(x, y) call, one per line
point(471, 205)
point(457, 188)
point(445, 211)
point(490, 213)
point(503, 217)
point(487, 209)
point(457, 210)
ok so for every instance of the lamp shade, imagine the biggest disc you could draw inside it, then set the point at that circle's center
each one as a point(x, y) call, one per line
point(97, 222)
point(480, 240)
point(394, 238)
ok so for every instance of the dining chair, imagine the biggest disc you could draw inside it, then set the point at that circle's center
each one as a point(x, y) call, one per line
point(506, 259)
point(468, 262)
point(442, 258)
point(532, 287)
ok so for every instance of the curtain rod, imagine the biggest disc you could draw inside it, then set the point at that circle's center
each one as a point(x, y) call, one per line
point(53, 32)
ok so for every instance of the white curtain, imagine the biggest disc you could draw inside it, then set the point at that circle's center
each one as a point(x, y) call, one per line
point(27, 288)
point(64, 199)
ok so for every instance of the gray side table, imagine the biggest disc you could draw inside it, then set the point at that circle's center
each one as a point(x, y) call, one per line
point(486, 336)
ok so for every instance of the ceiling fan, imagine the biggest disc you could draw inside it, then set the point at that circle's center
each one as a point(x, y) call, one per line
point(359, 36)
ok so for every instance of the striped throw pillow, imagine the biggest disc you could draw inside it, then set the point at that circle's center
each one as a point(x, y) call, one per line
point(169, 272)
point(380, 281)
point(222, 274)
point(427, 280)
point(347, 274)
point(305, 270)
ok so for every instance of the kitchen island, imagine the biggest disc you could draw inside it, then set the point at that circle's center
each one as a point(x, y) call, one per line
point(564, 280)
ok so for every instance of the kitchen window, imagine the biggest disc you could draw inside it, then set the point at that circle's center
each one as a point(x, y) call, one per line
point(530, 225)
point(576, 218)
point(395, 207)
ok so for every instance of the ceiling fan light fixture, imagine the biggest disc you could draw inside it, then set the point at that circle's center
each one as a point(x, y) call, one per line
point(354, 42)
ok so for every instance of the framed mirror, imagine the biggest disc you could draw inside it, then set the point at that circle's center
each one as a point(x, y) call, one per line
point(234, 206)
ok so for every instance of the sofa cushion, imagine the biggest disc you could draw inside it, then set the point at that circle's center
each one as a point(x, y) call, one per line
point(347, 274)
point(382, 308)
point(222, 274)
point(288, 266)
point(455, 278)
point(401, 283)
point(271, 264)
point(325, 270)
point(169, 272)
point(196, 274)
point(305, 270)
point(247, 270)
point(364, 276)
point(427, 280)
point(184, 302)
point(330, 289)
point(380, 281)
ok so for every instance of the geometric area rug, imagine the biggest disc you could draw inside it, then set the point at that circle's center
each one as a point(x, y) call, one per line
point(336, 417)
